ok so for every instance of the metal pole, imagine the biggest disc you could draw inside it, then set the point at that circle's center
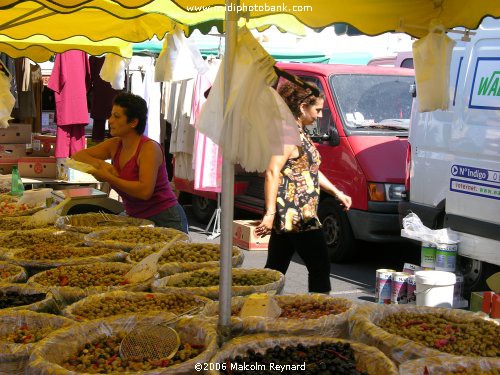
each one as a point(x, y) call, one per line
point(227, 187)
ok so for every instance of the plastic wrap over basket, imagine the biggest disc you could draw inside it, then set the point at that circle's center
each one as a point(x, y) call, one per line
point(11, 273)
point(145, 235)
point(48, 357)
point(114, 304)
point(368, 359)
point(20, 239)
point(14, 356)
point(168, 284)
point(72, 294)
point(91, 222)
point(451, 365)
point(46, 304)
point(331, 325)
point(20, 223)
point(167, 267)
point(363, 327)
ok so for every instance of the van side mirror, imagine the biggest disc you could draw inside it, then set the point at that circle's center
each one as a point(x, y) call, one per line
point(332, 137)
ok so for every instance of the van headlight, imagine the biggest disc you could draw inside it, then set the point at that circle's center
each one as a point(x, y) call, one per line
point(393, 192)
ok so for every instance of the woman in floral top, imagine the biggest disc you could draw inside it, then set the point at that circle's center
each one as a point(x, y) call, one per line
point(292, 189)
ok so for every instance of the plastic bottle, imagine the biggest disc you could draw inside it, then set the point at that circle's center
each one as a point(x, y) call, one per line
point(17, 187)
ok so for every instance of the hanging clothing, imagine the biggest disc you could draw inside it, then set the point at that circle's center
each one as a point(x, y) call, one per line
point(25, 98)
point(10, 64)
point(69, 140)
point(7, 100)
point(113, 71)
point(70, 80)
point(37, 89)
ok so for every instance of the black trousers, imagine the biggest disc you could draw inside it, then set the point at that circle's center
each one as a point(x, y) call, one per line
point(311, 247)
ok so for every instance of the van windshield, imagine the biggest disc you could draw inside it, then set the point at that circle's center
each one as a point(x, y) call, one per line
point(373, 102)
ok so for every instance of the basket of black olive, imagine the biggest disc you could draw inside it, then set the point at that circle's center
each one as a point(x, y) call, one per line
point(301, 314)
point(266, 354)
point(205, 282)
point(19, 332)
point(93, 347)
point(451, 365)
point(26, 297)
point(10, 273)
point(185, 257)
point(76, 282)
point(90, 222)
point(121, 302)
point(407, 332)
point(37, 258)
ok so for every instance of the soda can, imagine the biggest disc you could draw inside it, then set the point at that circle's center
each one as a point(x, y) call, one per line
point(399, 288)
point(383, 281)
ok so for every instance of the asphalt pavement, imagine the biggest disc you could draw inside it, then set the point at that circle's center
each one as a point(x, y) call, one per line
point(353, 281)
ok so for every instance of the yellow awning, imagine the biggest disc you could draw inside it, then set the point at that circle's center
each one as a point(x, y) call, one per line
point(40, 48)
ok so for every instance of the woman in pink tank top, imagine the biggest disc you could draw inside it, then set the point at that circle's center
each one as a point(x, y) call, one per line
point(138, 171)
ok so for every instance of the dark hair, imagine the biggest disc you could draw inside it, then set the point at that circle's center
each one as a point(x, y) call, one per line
point(135, 108)
point(294, 96)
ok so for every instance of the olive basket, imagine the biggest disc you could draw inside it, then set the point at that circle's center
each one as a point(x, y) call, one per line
point(91, 222)
point(170, 284)
point(368, 359)
point(327, 325)
point(128, 238)
point(23, 238)
point(103, 305)
point(185, 257)
point(364, 327)
point(32, 208)
point(448, 364)
point(34, 266)
point(50, 355)
point(14, 356)
point(11, 273)
point(45, 303)
point(20, 223)
point(86, 273)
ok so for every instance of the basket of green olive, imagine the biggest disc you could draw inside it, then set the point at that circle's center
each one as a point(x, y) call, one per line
point(307, 314)
point(93, 347)
point(91, 222)
point(270, 354)
point(447, 365)
point(108, 304)
point(34, 237)
point(19, 332)
point(409, 332)
point(10, 273)
point(26, 297)
point(205, 282)
point(76, 282)
point(37, 258)
point(128, 238)
point(20, 223)
point(185, 256)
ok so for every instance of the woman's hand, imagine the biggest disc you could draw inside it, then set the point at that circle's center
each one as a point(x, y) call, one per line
point(345, 200)
point(265, 226)
point(104, 172)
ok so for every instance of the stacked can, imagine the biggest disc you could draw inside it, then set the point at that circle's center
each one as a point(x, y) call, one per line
point(399, 288)
point(410, 290)
point(383, 282)
point(428, 256)
point(446, 257)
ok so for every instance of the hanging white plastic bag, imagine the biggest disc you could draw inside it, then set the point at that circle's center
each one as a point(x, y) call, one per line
point(432, 58)
point(414, 228)
point(7, 100)
point(113, 70)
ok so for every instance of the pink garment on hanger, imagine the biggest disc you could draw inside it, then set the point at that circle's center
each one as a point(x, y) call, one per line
point(70, 80)
point(69, 140)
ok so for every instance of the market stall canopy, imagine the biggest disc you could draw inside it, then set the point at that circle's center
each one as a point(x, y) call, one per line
point(39, 48)
point(370, 17)
point(110, 19)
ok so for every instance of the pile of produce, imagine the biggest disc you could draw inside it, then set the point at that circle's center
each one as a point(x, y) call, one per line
point(10, 273)
point(205, 279)
point(25, 297)
point(90, 222)
point(15, 299)
point(20, 223)
point(120, 302)
point(13, 208)
point(36, 237)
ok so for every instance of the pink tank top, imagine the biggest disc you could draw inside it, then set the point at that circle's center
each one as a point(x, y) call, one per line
point(163, 196)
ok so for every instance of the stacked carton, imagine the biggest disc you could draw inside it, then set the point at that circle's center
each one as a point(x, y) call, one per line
point(14, 141)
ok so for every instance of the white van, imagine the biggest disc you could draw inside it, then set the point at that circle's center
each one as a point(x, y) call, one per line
point(453, 166)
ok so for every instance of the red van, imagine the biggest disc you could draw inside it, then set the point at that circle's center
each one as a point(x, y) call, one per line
point(362, 138)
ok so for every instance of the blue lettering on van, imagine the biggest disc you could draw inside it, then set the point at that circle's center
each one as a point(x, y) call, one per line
point(469, 172)
point(489, 85)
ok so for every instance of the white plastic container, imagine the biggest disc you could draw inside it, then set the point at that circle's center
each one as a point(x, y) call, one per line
point(435, 288)
point(446, 257)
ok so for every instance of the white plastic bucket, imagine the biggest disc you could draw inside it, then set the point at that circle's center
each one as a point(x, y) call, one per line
point(435, 288)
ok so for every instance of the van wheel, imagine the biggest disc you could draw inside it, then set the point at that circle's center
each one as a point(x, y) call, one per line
point(475, 274)
point(337, 230)
point(203, 208)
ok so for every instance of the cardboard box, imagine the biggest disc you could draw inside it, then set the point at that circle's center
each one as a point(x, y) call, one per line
point(37, 167)
point(12, 150)
point(16, 133)
point(487, 302)
point(6, 165)
point(44, 145)
point(244, 237)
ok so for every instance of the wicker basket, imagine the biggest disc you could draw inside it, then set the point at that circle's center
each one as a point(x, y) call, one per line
point(368, 359)
point(48, 355)
point(77, 310)
point(168, 268)
point(72, 294)
point(24, 238)
point(91, 222)
point(13, 356)
point(46, 304)
point(458, 365)
point(16, 274)
point(20, 223)
point(167, 284)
